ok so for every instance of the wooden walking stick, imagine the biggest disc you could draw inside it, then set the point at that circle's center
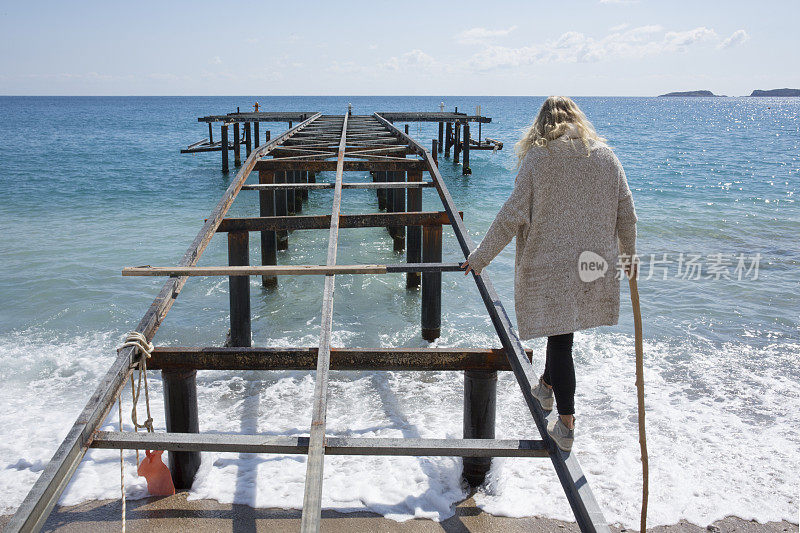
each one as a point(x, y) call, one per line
point(637, 323)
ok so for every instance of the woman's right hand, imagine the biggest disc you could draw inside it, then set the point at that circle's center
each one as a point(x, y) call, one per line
point(468, 268)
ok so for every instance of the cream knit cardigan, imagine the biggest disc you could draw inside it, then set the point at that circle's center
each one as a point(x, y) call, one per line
point(564, 203)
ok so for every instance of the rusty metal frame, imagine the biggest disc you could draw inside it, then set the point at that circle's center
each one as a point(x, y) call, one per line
point(366, 142)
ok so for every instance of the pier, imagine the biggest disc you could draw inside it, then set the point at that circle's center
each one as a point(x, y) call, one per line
point(283, 170)
point(245, 127)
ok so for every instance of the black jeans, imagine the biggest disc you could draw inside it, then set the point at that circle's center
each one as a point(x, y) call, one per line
point(559, 372)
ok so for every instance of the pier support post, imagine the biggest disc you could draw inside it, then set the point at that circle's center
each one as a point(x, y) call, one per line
point(465, 170)
point(457, 143)
point(248, 139)
point(299, 176)
point(290, 202)
point(398, 206)
point(380, 176)
point(256, 137)
point(237, 146)
point(224, 141)
point(267, 136)
point(480, 406)
point(448, 140)
point(269, 239)
point(435, 149)
point(388, 195)
point(304, 179)
point(281, 209)
point(441, 136)
point(414, 233)
point(239, 288)
point(210, 133)
point(180, 410)
point(431, 283)
point(406, 129)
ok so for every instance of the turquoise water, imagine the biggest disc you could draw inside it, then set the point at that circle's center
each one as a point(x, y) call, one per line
point(90, 185)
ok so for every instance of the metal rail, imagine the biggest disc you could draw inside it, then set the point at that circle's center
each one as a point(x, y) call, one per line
point(312, 497)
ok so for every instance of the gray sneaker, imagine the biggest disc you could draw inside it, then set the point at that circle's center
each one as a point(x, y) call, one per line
point(561, 435)
point(544, 394)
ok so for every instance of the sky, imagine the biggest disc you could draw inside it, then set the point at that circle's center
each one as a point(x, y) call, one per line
point(578, 48)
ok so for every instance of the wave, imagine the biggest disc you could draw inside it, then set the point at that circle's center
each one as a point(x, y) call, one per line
point(723, 425)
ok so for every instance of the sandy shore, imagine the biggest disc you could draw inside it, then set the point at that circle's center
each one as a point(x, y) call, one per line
point(177, 514)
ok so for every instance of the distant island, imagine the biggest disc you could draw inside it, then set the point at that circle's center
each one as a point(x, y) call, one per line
point(691, 93)
point(776, 92)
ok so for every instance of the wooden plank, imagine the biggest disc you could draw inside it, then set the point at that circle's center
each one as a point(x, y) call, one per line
point(368, 220)
point(579, 494)
point(235, 442)
point(371, 359)
point(312, 497)
point(32, 513)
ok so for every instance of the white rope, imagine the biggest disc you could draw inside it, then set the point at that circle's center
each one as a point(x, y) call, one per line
point(121, 467)
point(141, 346)
point(144, 349)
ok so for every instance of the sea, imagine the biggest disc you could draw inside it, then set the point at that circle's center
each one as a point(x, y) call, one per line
point(89, 185)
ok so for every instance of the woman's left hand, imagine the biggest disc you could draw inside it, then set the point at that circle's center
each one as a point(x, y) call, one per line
point(466, 266)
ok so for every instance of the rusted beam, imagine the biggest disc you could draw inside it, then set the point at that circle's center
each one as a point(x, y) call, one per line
point(304, 358)
point(263, 116)
point(433, 117)
point(371, 220)
point(349, 166)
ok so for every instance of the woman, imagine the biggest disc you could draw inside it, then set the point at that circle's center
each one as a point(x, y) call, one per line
point(570, 201)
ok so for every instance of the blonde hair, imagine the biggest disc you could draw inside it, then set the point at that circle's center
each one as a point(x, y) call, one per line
point(558, 115)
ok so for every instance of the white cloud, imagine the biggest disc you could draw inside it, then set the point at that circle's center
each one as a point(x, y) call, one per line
point(736, 38)
point(481, 35)
point(415, 59)
point(344, 67)
point(216, 60)
point(576, 47)
point(619, 27)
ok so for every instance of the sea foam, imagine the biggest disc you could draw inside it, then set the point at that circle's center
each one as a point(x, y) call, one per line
point(723, 431)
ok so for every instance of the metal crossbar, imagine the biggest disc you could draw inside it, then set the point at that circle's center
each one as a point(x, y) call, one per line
point(233, 442)
point(337, 143)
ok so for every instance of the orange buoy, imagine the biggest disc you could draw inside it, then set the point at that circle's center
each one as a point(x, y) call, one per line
point(159, 479)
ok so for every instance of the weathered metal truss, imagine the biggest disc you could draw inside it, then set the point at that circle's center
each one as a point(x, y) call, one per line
point(285, 167)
